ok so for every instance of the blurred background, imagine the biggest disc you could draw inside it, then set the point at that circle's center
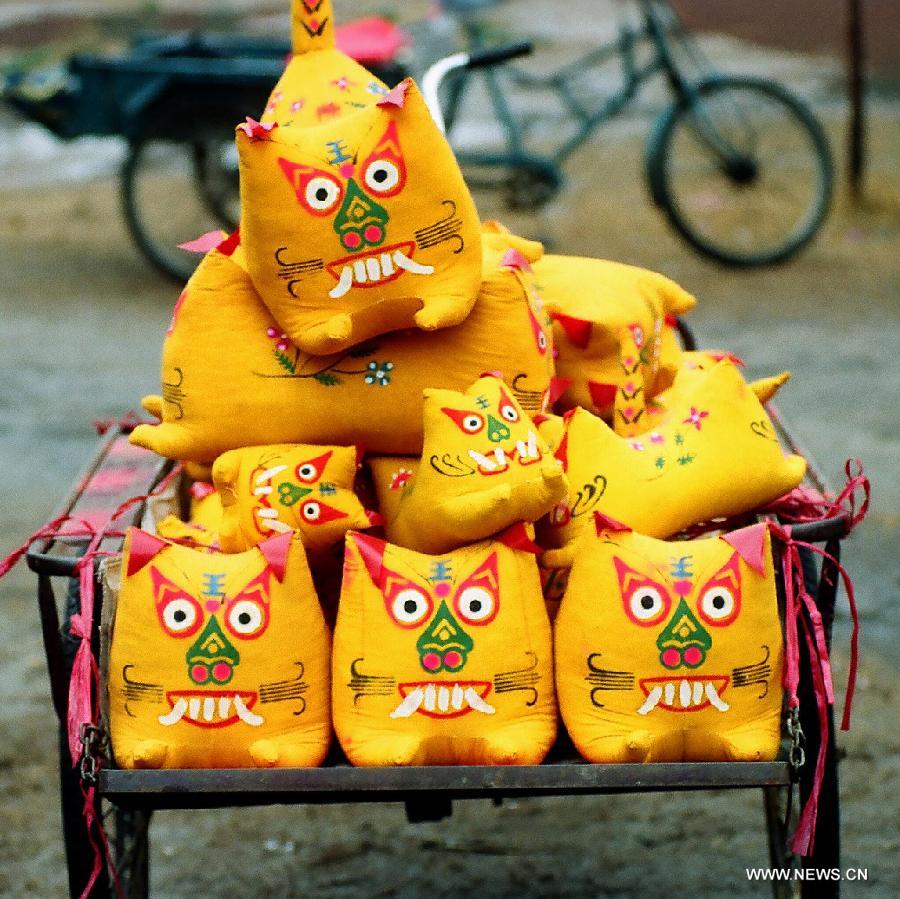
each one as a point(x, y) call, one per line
point(84, 310)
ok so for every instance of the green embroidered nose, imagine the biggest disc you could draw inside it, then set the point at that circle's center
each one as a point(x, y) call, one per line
point(444, 645)
point(361, 222)
point(289, 493)
point(496, 430)
point(212, 658)
point(683, 641)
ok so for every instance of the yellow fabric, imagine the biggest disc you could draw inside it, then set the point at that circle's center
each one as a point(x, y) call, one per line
point(602, 301)
point(215, 662)
point(390, 475)
point(717, 456)
point(442, 660)
point(693, 369)
point(645, 628)
point(187, 533)
point(360, 226)
point(206, 511)
point(484, 468)
point(320, 83)
point(230, 378)
point(280, 488)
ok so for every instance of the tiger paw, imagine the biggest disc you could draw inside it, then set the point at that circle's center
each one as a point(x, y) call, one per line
point(442, 313)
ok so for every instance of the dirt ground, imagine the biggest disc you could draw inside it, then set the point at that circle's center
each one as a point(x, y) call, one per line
point(80, 329)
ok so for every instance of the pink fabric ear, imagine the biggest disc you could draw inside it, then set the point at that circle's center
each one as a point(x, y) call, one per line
point(492, 374)
point(605, 523)
point(577, 329)
point(750, 543)
point(372, 551)
point(517, 537)
point(376, 519)
point(396, 96)
point(513, 258)
point(558, 386)
point(602, 394)
point(231, 243)
point(275, 551)
point(257, 130)
point(204, 243)
point(142, 547)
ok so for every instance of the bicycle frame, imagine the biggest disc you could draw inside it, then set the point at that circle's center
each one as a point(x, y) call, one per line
point(653, 31)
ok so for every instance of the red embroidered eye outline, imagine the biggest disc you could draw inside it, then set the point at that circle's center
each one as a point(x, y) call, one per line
point(508, 410)
point(318, 191)
point(477, 599)
point(467, 422)
point(540, 338)
point(247, 614)
point(646, 602)
point(406, 602)
point(311, 471)
point(384, 171)
point(179, 613)
point(314, 511)
point(720, 597)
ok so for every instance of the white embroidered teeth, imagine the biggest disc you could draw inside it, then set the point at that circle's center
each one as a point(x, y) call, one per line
point(268, 519)
point(442, 699)
point(675, 696)
point(210, 710)
point(526, 452)
point(373, 269)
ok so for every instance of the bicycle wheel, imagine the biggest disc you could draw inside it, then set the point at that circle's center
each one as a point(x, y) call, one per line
point(742, 170)
point(180, 180)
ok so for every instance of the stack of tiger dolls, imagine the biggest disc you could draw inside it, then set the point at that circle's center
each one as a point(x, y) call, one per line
point(441, 488)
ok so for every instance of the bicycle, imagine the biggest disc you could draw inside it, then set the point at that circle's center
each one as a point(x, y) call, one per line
point(740, 167)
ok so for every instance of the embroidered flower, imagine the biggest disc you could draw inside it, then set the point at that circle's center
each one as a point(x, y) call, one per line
point(281, 340)
point(373, 87)
point(379, 373)
point(696, 417)
point(660, 462)
point(400, 477)
point(343, 83)
point(296, 106)
point(637, 445)
point(637, 334)
point(656, 437)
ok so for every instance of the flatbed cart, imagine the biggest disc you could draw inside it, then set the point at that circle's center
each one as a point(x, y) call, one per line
point(126, 799)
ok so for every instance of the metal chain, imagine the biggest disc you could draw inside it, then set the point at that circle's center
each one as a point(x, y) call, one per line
point(797, 751)
point(94, 743)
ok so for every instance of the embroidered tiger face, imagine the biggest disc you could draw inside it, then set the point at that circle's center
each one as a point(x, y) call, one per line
point(671, 651)
point(441, 659)
point(217, 660)
point(359, 226)
point(484, 468)
point(283, 488)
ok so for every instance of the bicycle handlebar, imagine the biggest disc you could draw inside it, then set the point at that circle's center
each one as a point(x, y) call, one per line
point(431, 80)
point(495, 55)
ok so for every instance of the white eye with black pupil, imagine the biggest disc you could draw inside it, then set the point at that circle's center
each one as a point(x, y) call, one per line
point(307, 472)
point(180, 615)
point(646, 603)
point(472, 423)
point(475, 604)
point(245, 617)
point(542, 341)
point(509, 413)
point(717, 603)
point(311, 511)
point(409, 606)
point(382, 176)
point(322, 194)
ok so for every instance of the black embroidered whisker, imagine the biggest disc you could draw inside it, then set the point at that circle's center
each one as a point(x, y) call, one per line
point(368, 684)
point(520, 679)
point(445, 229)
point(138, 691)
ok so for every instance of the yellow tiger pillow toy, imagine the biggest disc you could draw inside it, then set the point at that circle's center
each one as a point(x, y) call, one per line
point(231, 377)
point(359, 227)
point(281, 488)
point(215, 660)
point(669, 652)
point(717, 456)
point(484, 467)
point(597, 306)
point(320, 83)
point(443, 660)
